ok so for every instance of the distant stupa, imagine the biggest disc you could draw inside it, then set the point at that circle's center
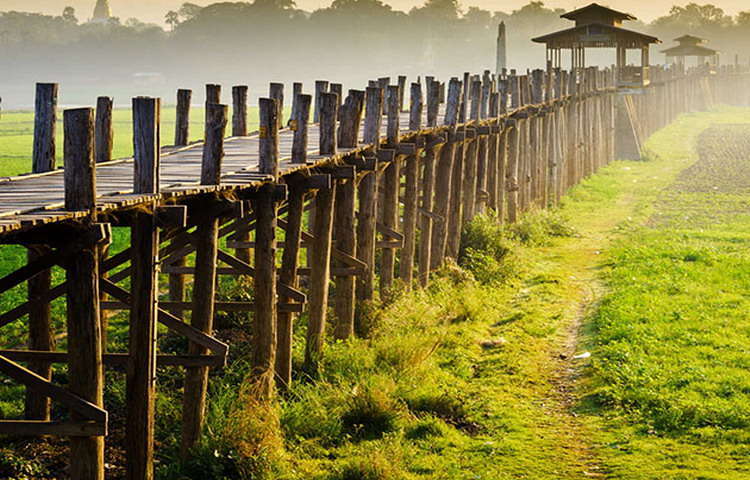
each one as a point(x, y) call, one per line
point(102, 13)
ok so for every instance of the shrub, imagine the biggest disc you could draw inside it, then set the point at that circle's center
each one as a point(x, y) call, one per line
point(370, 413)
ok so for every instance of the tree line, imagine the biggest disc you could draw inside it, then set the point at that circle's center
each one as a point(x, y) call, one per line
point(349, 41)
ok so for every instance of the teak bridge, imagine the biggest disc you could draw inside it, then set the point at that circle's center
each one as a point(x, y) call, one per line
point(365, 174)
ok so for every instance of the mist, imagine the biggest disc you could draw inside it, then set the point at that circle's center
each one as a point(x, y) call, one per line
point(349, 42)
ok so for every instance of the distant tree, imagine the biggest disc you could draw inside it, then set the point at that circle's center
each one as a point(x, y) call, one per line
point(693, 16)
point(69, 15)
point(173, 19)
point(437, 10)
point(478, 17)
point(743, 19)
point(189, 10)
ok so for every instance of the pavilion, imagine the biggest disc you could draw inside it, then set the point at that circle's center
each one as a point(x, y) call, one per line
point(600, 27)
point(691, 46)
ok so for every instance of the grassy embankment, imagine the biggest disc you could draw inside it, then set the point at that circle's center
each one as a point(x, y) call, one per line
point(474, 378)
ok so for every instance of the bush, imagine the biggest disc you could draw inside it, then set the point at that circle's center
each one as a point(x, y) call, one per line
point(537, 227)
point(370, 413)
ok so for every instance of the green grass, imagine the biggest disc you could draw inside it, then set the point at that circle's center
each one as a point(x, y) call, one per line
point(17, 135)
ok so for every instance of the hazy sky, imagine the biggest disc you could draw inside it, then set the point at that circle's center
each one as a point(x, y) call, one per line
point(154, 10)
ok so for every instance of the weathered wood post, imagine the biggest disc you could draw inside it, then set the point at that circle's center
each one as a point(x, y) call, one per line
point(511, 175)
point(276, 92)
point(391, 187)
point(428, 188)
point(204, 286)
point(182, 123)
point(443, 175)
point(401, 91)
point(41, 337)
point(459, 151)
point(321, 87)
point(265, 208)
point(239, 111)
point(344, 225)
point(492, 145)
point(239, 129)
point(366, 218)
point(483, 141)
point(411, 192)
point(292, 239)
point(471, 157)
point(320, 268)
point(86, 375)
point(144, 243)
point(181, 138)
point(104, 132)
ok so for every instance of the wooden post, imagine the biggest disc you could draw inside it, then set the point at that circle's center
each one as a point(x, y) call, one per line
point(144, 242)
point(511, 176)
point(329, 105)
point(458, 152)
point(391, 187)
point(204, 286)
point(86, 375)
point(296, 90)
point(239, 111)
point(366, 218)
point(299, 125)
point(351, 118)
point(288, 276)
point(41, 337)
point(45, 120)
point(471, 159)
point(103, 129)
point(264, 351)
point(182, 123)
point(213, 95)
point(345, 241)
point(444, 176)
point(320, 269)
point(276, 92)
point(428, 187)
point(338, 89)
point(492, 166)
point(411, 194)
point(401, 91)
point(321, 87)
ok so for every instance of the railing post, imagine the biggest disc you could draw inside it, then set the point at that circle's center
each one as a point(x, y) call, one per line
point(103, 129)
point(411, 194)
point(391, 187)
point(182, 123)
point(239, 111)
point(428, 188)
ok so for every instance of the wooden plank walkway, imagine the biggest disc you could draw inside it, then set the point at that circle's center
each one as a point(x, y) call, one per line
point(36, 199)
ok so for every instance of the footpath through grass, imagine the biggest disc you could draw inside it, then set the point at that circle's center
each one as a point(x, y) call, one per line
point(477, 377)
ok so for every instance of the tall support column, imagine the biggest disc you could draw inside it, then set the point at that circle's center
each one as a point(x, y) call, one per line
point(204, 286)
point(411, 193)
point(86, 374)
point(144, 243)
point(428, 187)
point(391, 189)
point(41, 337)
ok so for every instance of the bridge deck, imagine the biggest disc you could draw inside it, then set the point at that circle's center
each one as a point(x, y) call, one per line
point(36, 199)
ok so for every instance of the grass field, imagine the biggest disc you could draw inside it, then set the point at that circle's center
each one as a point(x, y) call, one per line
point(480, 377)
point(17, 130)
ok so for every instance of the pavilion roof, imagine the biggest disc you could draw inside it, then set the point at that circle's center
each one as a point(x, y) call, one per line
point(690, 51)
point(596, 35)
point(690, 40)
point(597, 10)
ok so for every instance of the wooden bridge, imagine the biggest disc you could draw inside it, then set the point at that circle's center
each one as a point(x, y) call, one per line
point(364, 174)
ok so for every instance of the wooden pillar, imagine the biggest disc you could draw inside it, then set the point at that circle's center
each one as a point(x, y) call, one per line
point(86, 375)
point(41, 337)
point(457, 152)
point(492, 167)
point(276, 92)
point(182, 123)
point(299, 125)
point(239, 111)
point(511, 176)
point(288, 276)
point(144, 242)
point(366, 217)
point(411, 193)
point(471, 159)
point(345, 233)
point(321, 87)
point(204, 285)
point(428, 186)
point(320, 269)
point(104, 133)
point(391, 188)
point(264, 206)
point(443, 180)
point(320, 256)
